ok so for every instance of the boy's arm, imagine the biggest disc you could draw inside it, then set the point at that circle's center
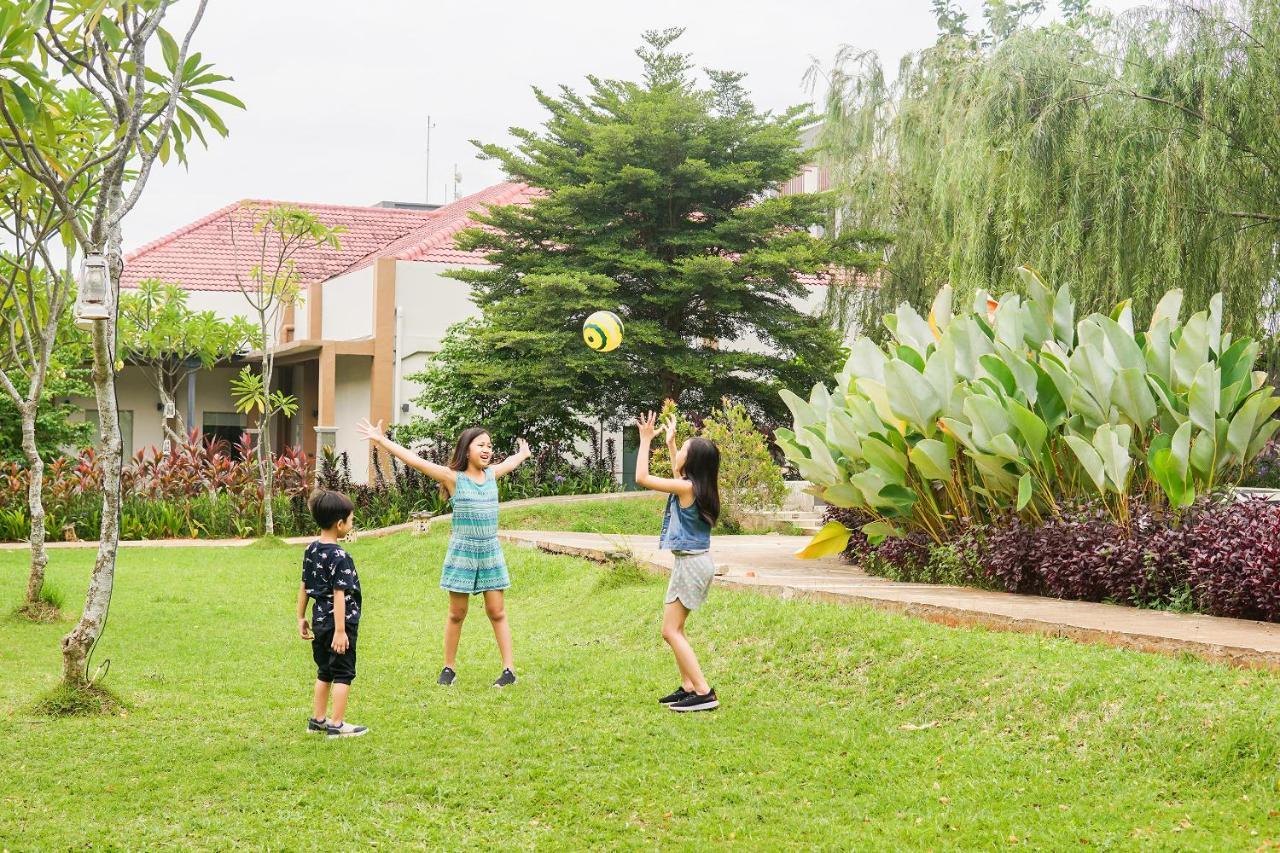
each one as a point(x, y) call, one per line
point(339, 621)
point(304, 627)
point(511, 463)
point(439, 473)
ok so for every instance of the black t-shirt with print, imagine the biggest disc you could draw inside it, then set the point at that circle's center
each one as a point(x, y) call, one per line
point(326, 567)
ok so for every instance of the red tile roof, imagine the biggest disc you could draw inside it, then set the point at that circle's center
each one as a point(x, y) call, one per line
point(203, 256)
point(432, 242)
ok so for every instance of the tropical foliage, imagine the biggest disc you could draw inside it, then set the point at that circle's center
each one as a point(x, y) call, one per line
point(1018, 406)
point(158, 331)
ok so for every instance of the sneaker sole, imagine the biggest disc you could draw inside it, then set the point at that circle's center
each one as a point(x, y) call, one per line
point(349, 734)
point(705, 706)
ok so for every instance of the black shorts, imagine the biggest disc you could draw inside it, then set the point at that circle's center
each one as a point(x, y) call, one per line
point(331, 666)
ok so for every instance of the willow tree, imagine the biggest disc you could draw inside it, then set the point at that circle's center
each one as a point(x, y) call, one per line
point(1125, 155)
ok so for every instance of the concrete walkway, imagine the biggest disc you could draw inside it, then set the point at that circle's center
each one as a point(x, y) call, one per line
point(766, 564)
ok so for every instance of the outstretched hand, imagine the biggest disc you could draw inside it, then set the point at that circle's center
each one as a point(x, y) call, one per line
point(371, 432)
point(671, 430)
point(648, 425)
point(522, 447)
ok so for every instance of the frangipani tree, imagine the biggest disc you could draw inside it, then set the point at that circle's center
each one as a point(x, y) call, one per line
point(171, 341)
point(1017, 406)
point(88, 106)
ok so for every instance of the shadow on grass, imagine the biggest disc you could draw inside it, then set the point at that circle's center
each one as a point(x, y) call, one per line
point(67, 700)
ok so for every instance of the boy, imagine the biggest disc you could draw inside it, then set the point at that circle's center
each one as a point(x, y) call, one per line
point(329, 578)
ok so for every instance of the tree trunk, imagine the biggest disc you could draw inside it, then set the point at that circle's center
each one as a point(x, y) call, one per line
point(35, 502)
point(266, 459)
point(77, 645)
point(174, 428)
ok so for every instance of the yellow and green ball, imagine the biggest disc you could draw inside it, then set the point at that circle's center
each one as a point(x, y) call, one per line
point(603, 331)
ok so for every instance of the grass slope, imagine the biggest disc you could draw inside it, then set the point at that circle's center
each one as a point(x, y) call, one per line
point(843, 728)
point(630, 516)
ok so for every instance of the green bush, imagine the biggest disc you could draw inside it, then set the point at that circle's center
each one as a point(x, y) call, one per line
point(1015, 407)
point(750, 481)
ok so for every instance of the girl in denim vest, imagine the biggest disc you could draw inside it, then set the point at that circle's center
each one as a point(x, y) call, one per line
point(693, 506)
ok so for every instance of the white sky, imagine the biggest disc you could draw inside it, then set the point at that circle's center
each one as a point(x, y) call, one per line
point(338, 93)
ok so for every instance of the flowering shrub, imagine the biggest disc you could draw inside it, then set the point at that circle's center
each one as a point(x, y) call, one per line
point(210, 489)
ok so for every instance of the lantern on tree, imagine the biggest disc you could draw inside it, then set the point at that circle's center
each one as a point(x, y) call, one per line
point(94, 299)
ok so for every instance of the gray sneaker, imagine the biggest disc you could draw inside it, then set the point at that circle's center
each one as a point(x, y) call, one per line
point(507, 679)
point(347, 730)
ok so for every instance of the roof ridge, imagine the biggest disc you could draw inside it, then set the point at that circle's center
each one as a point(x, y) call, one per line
point(448, 220)
point(185, 229)
point(448, 230)
point(398, 211)
point(420, 216)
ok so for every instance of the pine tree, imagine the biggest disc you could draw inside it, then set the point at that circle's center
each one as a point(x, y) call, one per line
point(656, 204)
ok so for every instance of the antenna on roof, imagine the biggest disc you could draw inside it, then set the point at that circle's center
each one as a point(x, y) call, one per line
point(457, 179)
point(430, 124)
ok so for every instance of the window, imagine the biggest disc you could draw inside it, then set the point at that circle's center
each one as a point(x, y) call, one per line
point(126, 430)
point(228, 426)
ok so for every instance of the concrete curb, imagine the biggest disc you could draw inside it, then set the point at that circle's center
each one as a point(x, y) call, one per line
point(1266, 655)
point(377, 533)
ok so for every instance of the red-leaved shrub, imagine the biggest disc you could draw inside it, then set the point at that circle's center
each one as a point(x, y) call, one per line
point(1232, 552)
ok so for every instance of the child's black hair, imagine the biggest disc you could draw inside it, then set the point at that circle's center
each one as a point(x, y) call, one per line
point(328, 508)
point(702, 468)
point(462, 450)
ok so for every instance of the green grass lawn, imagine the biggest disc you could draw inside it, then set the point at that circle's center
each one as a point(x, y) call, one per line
point(842, 727)
point(632, 516)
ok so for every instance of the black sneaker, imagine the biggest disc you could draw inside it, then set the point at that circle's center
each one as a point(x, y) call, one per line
point(317, 727)
point(672, 698)
point(447, 676)
point(694, 702)
point(347, 730)
point(507, 679)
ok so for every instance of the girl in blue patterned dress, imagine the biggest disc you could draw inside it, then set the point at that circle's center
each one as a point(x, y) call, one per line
point(474, 564)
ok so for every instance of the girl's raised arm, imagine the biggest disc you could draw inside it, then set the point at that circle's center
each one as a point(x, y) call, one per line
point(439, 473)
point(648, 425)
point(506, 466)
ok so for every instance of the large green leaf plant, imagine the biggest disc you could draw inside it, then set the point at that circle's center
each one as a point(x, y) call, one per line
point(1017, 406)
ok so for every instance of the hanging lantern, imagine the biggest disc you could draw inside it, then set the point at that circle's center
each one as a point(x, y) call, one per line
point(94, 300)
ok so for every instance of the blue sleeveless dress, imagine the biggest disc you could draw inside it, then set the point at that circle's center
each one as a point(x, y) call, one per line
point(475, 562)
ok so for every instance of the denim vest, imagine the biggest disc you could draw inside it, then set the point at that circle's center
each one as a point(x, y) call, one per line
point(683, 528)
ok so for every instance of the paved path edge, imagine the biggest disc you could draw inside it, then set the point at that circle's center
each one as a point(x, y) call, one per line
point(952, 617)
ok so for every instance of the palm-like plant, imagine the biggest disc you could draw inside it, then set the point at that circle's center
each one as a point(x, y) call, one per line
point(1015, 406)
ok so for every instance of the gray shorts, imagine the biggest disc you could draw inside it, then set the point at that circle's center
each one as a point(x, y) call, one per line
point(691, 578)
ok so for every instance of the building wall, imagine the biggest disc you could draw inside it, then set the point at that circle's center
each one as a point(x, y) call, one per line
point(347, 306)
point(136, 394)
point(351, 403)
point(302, 319)
point(429, 304)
